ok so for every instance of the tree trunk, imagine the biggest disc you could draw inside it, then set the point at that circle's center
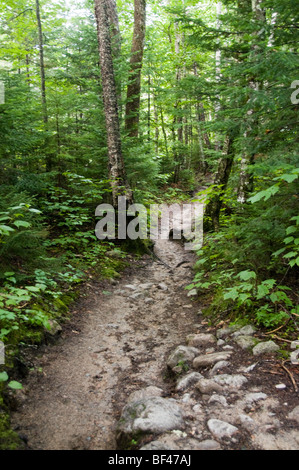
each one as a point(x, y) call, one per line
point(213, 208)
point(49, 162)
point(134, 86)
point(247, 159)
point(116, 167)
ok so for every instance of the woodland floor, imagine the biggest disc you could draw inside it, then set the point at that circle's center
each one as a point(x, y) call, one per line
point(117, 341)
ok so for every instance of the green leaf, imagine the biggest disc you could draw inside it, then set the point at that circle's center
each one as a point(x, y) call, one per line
point(3, 376)
point(6, 228)
point(22, 223)
point(246, 275)
point(15, 385)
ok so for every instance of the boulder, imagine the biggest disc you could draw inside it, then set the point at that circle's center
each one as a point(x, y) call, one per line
point(154, 415)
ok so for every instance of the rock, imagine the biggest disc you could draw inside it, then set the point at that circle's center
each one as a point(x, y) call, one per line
point(207, 360)
point(181, 355)
point(208, 386)
point(232, 381)
point(162, 286)
point(176, 441)
point(254, 397)
point(220, 399)
point(218, 366)
point(294, 344)
point(209, 444)
point(147, 392)
point(227, 331)
point(280, 386)
point(265, 348)
point(247, 330)
point(130, 286)
point(192, 293)
point(294, 357)
point(200, 340)
point(187, 381)
point(245, 342)
point(54, 328)
point(146, 285)
point(147, 416)
point(294, 414)
point(246, 422)
point(221, 429)
point(149, 300)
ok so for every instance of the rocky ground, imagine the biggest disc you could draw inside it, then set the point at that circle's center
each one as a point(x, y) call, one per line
point(139, 367)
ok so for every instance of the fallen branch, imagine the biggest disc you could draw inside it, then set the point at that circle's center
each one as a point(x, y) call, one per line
point(290, 375)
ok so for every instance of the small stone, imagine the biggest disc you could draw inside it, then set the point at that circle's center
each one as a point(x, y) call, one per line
point(247, 422)
point(54, 328)
point(232, 381)
point(220, 399)
point(162, 286)
point(131, 286)
point(294, 357)
point(218, 366)
point(247, 330)
point(148, 300)
point(208, 386)
point(181, 355)
point(187, 381)
point(209, 444)
point(221, 429)
point(227, 331)
point(255, 397)
point(294, 344)
point(294, 414)
point(280, 386)
point(265, 348)
point(200, 340)
point(207, 360)
point(192, 293)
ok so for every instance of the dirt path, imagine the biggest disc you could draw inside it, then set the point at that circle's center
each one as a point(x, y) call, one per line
point(117, 343)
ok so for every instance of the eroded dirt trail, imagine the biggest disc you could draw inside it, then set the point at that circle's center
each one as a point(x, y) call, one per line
point(117, 343)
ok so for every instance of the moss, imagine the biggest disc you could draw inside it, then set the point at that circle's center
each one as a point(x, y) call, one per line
point(9, 439)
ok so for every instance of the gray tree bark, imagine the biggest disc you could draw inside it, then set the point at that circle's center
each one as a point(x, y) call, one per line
point(134, 86)
point(116, 167)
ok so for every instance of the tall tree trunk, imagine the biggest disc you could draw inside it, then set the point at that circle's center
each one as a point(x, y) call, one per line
point(134, 86)
point(49, 162)
point(115, 157)
point(247, 159)
point(213, 208)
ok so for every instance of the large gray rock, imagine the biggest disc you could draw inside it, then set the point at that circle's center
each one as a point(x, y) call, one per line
point(265, 348)
point(207, 360)
point(245, 341)
point(153, 415)
point(181, 355)
point(147, 392)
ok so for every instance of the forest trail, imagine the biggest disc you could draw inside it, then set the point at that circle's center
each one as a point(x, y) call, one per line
point(110, 372)
point(118, 340)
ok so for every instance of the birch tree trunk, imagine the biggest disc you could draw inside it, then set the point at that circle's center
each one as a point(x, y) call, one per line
point(134, 86)
point(116, 167)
